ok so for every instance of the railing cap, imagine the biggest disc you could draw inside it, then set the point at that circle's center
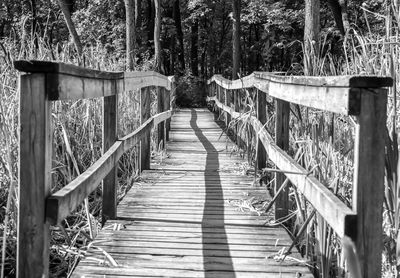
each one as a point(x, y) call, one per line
point(349, 81)
point(345, 81)
point(35, 66)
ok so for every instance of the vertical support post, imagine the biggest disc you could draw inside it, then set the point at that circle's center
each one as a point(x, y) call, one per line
point(219, 99)
point(227, 103)
point(167, 107)
point(236, 97)
point(368, 191)
point(172, 94)
point(34, 177)
point(282, 109)
point(145, 141)
point(110, 182)
point(262, 117)
point(160, 108)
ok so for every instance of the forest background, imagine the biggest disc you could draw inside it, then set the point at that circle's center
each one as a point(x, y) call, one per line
point(191, 39)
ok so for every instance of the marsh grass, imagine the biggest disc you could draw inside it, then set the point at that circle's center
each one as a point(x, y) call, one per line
point(328, 155)
point(77, 144)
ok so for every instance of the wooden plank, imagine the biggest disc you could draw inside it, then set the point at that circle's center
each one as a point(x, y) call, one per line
point(61, 86)
point(332, 209)
point(262, 117)
point(60, 204)
point(331, 93)
point(282, 111)
point(100, 272)
point(369, 171)
point(139, 79)
point(110, 182)
point(34, 177)
point(345, 81)
point(348, 81)
point(167, 107)
point(70, 82)
point(180, 223)
point(227, 94)
point(145, 100)
point(160, 126)
point(333, 99)
point(35, 66)
point(132, 139)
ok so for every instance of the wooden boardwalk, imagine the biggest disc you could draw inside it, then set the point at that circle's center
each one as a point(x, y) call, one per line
point(184, 218)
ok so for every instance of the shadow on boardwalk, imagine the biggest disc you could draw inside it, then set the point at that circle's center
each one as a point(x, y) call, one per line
point(214, 202)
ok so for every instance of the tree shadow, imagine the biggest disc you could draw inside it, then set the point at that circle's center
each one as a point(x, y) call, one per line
point(213, 213)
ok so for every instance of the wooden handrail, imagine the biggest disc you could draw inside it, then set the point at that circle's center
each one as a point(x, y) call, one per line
point(364, 97)
point(40, 84)
point(70, 82)
point(338, 94)
point(63, 202)
point(332, 209)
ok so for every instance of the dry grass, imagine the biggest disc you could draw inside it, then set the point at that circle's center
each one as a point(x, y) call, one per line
point(77, 128)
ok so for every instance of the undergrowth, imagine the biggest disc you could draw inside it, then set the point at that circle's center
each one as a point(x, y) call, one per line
point(77, 144)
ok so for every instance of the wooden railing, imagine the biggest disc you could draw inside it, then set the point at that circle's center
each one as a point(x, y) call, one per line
point(44, 82)
point(363, 97)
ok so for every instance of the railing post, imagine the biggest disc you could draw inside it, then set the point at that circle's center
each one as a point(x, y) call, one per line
point(236, 97)
point(144, 116)
point(368, 191)
point(282, 109)
point(219, 98)
point(262, 117)
point(34, 177)
point(167, 107)
point(227, 103)
point(160, 109)
point(110, 182)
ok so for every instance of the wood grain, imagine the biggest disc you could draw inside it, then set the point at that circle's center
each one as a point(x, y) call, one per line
point(341, 218)
point(34, 177)
point(110, 182)
point(338, 94)
point(282, 117)
point(178, 222)
point(145, 141)
point(369, 171)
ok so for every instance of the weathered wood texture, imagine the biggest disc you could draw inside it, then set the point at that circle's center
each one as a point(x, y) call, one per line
point(341, 218)
point(338, 94)
point(145, 99)
point(262, 117)
point(110, 182)
point(282, 110)
point(69, 82)
point(368, 191)
point(34, 177)
point(160, 126)
point(184, 219)
point(60, 204)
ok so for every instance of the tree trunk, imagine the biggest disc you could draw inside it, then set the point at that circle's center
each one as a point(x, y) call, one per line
point(138, 20)
point(71, 28)
point(130, 33)
point(178, 25)
point(150, 21)
point(33, 27)
point(345, 17)
point(194, 59)
point(157, 31)
point(311, 33)
point(339, 11)
point(236, 39)
point(337, 14)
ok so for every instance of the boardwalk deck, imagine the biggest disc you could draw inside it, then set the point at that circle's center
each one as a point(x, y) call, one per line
point(183, 218)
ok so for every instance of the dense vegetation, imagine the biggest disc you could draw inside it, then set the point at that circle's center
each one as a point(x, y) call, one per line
point(194, 39)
